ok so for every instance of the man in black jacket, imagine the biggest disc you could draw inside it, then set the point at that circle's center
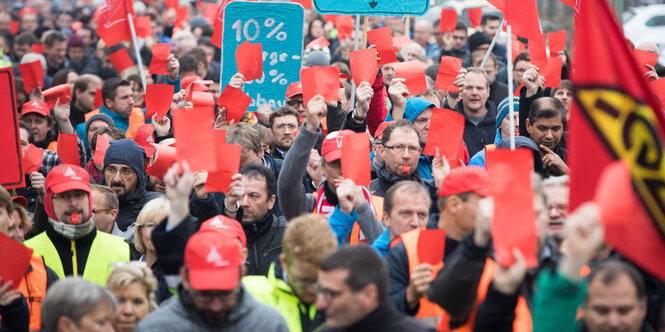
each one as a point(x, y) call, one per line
point(353, 292)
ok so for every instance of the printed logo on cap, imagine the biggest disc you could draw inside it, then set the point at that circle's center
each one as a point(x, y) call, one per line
point(338, 139)
point(218, 224)
point(70, 172)
point(215, 258)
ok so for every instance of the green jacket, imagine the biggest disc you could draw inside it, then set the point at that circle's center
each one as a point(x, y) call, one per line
point(276, 293)
point(556, 303)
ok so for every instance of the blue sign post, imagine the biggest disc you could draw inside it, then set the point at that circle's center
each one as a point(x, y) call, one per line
point(279, 28)
point(372, 7)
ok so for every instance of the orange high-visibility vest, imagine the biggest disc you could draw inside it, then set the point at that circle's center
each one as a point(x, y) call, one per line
point(33, 287)
point(136, 120)
point(53, 146)
point(377, 203)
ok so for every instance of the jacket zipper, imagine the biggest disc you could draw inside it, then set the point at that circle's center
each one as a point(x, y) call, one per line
point(74, 262)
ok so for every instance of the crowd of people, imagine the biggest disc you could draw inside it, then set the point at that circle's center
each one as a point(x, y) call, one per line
point(293, 244)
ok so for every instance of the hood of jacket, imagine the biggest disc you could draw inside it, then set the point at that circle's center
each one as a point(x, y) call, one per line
point(415, 106)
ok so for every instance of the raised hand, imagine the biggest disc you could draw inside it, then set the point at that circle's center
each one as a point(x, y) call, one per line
point(507, 280)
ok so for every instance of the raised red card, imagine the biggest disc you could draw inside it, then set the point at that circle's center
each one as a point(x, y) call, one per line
point(356, 162)
point(448, 71)
point(401, 41)
point(446, 131)
point(103, 143)
point(552, 73)
point(249, 60)
point(160, 54)
point(236, 103)
point(475, 16)
point(193, 131)
point(68, 149)
point(60, 92)
point(363, 65)
point(557, 41)
point(121, 60)
point(321, 42)
point(158, 99)
point(11, 159)
point(514, 222)
point(228, 164)
point(143, 26)
point(414, 74)
point(32, 74)
point(162, 160)
point(32, 160)
point(37, 48)
point(537, 51)
point(448, 19)
point(320, 80)
point(383, 40)
point(14, 26)
point(15, 259)
point(431, 246)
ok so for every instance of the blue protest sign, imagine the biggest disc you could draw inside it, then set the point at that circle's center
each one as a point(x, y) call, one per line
point(279, 28)
point(372, 7)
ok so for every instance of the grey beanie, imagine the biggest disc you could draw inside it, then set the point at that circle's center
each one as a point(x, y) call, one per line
point(127, 152)
point(317, 58)
point(99, 116)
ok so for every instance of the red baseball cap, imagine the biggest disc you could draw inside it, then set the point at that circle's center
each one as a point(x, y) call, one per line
point(67, 177)
point(20, 200)
point(35, 107)
point(294, 89)
point(213, 261)
point(331, 149)
point(466, 179)
point(225, 225)
point(378, 134)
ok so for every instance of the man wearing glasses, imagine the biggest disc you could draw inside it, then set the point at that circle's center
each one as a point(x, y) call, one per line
point(283, 125)
point(457, 47)
point(294, 98)
point(105, 207)
point(124, 172)
point(71, 245)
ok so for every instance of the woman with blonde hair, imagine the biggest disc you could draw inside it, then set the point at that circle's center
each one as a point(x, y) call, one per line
point(133, 286)
point(150, 216)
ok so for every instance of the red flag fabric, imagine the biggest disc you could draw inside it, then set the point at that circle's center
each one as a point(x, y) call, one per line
point(112, 25)
point(475, 16)
point(249, 60)
point(121, 60)
point(68, 149)
point(32, 74)
point(522, 15)
point(32, 159)
point(210, 12)
point(514, 222)
point(414, 75)
point(158, 99)
point(658, 87)
point(320, 80)
point(356, 163)
point(383, 40)
point(448, 19)
point(160, 54)
point(613, 100)
point(363, 65)
point(643, 58)
point(236, 103)
point(537, 50)
point(448, 71)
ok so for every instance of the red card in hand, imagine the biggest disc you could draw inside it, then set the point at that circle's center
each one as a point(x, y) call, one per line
point(68, 149)
point(514, 223)
point(556, 41)
point(363, 66)
point(658, 87)
point(431, 246)
point(537, 51)
point(162, 160)
point(98, 98)
point(15, 259)
point(37, 48)
point(121, 60)
point(383, 40)
point(449, 128)
point(143, 26)
point(236, 103)
point(401, 41)
point(103, 143)
point(32, 74)
point(320, 80)
point(228, 164)
point(344, 25)
point(414, 74)
point(552, 73)
point(356, 163)
point(475, 16)
point(194, 134)
point(448, 19)
point(321, 42)
point(249, 60)
point(448, 71)
point(160, 54)
point(32, 160)
point(158, 99)
point(60, 93)
point(643, 58)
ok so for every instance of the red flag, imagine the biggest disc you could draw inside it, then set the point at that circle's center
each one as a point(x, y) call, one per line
point(113, 26)
point(218, 31)
point(613, 118)
point(522, 15)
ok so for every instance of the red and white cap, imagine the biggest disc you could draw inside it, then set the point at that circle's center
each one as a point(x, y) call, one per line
point(466, 179)
point(294, 89)
point(331, 148)
point(226, 225)
point(213, 261)
point(35, 107)
point(65, 178)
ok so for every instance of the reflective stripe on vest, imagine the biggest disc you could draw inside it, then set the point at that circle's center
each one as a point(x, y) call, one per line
point(33, 287)
point(490, 147)
point(136, 120)
point(428, 311)
point(105, 249)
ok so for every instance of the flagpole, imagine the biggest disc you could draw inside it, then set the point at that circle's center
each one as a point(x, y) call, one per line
point(509, 70)
point(136, 50)
point(355, 48)
point(489, 50)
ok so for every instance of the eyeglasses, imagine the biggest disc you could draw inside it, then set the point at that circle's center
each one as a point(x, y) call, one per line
point(295, 103)
point(402, 148)
point(105, 210)
point(328, 294)
point(284, 126)
point(66, 196)
point(124, 172)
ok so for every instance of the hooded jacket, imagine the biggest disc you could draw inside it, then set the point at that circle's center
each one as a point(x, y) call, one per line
point(127, 152)
point(180, 314)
